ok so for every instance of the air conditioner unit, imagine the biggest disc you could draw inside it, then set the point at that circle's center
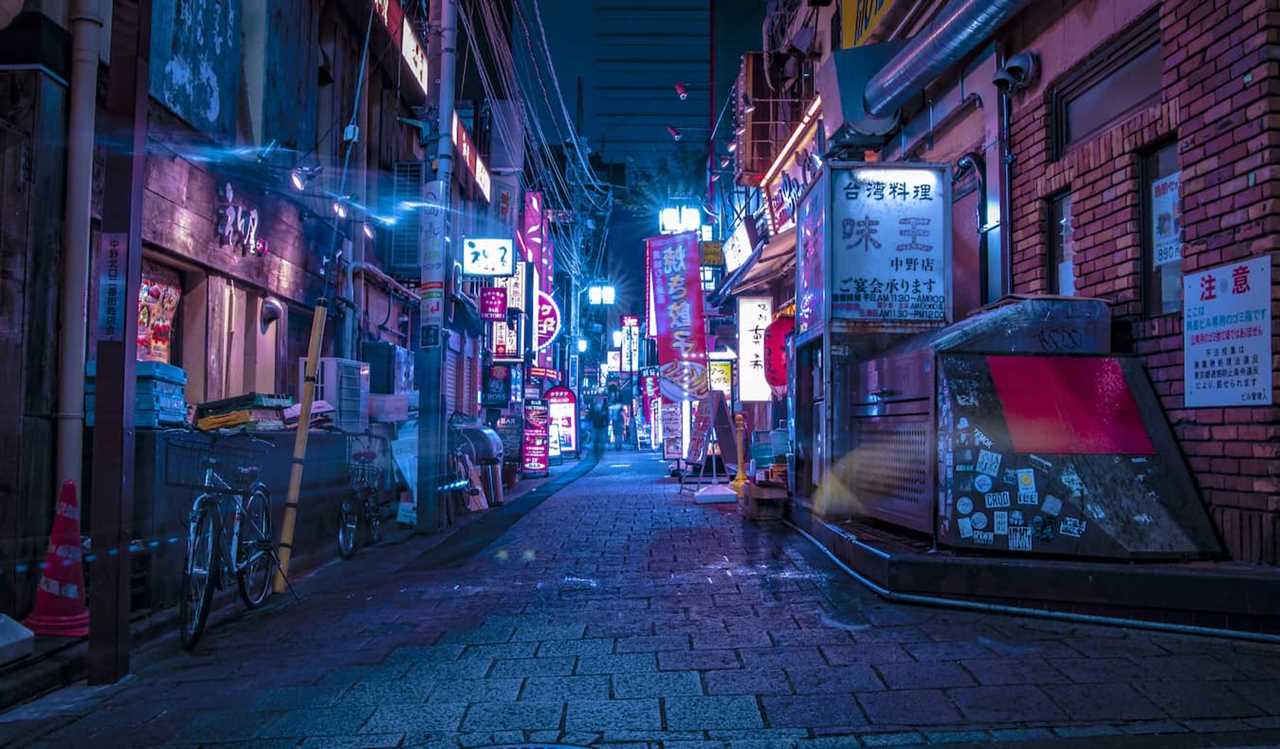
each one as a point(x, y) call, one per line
point(408, 185)
point(343, 384)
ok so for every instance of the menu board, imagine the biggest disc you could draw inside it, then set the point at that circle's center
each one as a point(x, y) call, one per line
point(537, 437)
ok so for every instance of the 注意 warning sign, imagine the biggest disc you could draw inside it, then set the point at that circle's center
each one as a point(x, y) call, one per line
point(1226, 331)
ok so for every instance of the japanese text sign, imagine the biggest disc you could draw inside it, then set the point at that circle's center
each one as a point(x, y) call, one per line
point(487, 257)
point(630, 343)
point(1226, 333)
point(537, 436)
point(754, 315)
point(677, 305)
point(505, 341)
point(890, 242)
point(562, 405)
point(548, 321)
point(493, 303)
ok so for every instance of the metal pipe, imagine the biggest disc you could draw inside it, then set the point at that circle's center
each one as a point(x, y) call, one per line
point(959, 29)
point(86, 27)
point(1066, 616)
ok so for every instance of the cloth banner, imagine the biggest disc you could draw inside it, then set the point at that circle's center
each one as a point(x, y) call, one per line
point(677, 295)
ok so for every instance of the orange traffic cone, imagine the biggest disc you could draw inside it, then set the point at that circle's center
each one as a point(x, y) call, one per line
point(60, 609)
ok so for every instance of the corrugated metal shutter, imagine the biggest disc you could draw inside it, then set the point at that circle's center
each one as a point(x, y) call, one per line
point(450, 381)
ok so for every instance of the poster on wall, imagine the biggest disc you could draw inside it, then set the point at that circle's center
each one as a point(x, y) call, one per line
point(890, 227)
point(158, 297)
point(1166, 232)
point(677, 301)
point(1226, 335)
point(811, 256)
point(562, 406)
point(754, 315)
point(537, 436)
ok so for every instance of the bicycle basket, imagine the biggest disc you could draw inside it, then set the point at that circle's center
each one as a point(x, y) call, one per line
point(236, 459)
point(365, 475)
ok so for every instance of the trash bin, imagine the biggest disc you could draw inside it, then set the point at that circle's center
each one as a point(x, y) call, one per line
point(486, 448)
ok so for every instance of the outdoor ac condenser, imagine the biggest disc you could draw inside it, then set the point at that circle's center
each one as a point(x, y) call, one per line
point(343, 384)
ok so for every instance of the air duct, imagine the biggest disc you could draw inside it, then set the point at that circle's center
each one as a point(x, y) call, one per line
point(961, 27)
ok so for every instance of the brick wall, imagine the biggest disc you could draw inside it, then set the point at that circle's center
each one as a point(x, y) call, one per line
point(1221, 103)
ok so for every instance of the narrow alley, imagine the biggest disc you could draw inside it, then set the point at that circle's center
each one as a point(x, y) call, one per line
point(618, 612)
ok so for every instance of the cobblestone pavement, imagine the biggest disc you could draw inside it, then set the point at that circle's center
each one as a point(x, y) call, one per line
point(620, 613)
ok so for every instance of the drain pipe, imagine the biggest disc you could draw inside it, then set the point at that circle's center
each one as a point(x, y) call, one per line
point(961, 27)
point(86, 27)
point(1065, 616)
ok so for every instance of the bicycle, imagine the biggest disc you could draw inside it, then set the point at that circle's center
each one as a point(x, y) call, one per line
point(247, 552)
point(365, 507)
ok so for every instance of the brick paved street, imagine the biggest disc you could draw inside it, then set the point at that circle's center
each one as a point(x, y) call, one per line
point(619, 613)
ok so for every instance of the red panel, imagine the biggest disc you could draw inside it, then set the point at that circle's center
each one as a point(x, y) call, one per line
point(1068, 405)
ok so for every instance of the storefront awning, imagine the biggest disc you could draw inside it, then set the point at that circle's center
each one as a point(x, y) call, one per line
point(774, 259)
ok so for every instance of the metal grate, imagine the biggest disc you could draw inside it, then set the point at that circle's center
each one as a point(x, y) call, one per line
point(407, 178)
point(893, 460)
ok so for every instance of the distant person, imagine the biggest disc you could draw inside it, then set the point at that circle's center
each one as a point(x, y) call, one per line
point(600, 427)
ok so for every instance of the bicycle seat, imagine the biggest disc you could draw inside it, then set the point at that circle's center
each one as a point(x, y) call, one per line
point(364, 456)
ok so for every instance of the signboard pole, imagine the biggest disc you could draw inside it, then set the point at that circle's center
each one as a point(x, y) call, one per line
point(430, 359)
point(111, 522)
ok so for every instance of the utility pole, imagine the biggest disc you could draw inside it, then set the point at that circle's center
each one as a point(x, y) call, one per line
point(429, 359)
point(119, 269)
point(86, 27)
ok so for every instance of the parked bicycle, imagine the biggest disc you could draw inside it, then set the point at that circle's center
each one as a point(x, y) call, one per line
point(365, 507)
point(229, 532)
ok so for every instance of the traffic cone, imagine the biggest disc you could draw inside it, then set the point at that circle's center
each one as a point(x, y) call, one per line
point(60, 610)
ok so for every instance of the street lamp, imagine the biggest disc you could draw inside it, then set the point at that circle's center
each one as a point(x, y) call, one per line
point(582, 345)
point(598, 294)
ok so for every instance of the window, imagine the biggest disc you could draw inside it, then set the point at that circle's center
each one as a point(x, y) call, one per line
point(1162, 231)
point(1062, 255)
point(710, 277)
point(1116, 80)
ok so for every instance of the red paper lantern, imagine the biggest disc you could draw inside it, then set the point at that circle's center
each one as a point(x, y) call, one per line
point(775, 350)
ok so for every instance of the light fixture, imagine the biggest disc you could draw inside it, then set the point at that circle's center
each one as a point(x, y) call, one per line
point(301, 176)
point(368, 231)
point(582, 345)
point(725, 161)
point(748, 106)
point(599, 294)
point(681, 91)
point(733, 146)
point(617, 339)
point(340, 209)
point(675, 134)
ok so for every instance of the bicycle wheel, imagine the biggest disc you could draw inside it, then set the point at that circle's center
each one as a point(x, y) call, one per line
point(199, 574)
point(254, 564)
point(348, 529)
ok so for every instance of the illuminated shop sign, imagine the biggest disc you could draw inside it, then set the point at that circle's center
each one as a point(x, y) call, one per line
point(796, 166)
point(470, 157)
point(487, 257)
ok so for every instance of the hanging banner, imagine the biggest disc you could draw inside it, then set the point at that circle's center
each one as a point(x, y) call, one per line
point(677, 302)
point(537, 435)
point(1226, 335)
point(562, 407)
point(890, 240)
point(493, 303)
point(651, 401)
point(754, 315)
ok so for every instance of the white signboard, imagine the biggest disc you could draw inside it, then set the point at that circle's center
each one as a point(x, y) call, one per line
point(1166, 220)
point(414, 55)
point(890, 235)
point(630, 344)
point(487, 257)
point(1227, 335)
point(754, 315)
point(737, 248)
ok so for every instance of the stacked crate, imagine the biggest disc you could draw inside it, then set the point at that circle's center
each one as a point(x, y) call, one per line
point(159, 400)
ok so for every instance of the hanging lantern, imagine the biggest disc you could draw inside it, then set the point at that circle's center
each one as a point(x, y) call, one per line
point(775, 351)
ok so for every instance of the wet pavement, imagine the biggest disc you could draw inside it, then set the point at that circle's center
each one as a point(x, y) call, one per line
point(617, 612)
